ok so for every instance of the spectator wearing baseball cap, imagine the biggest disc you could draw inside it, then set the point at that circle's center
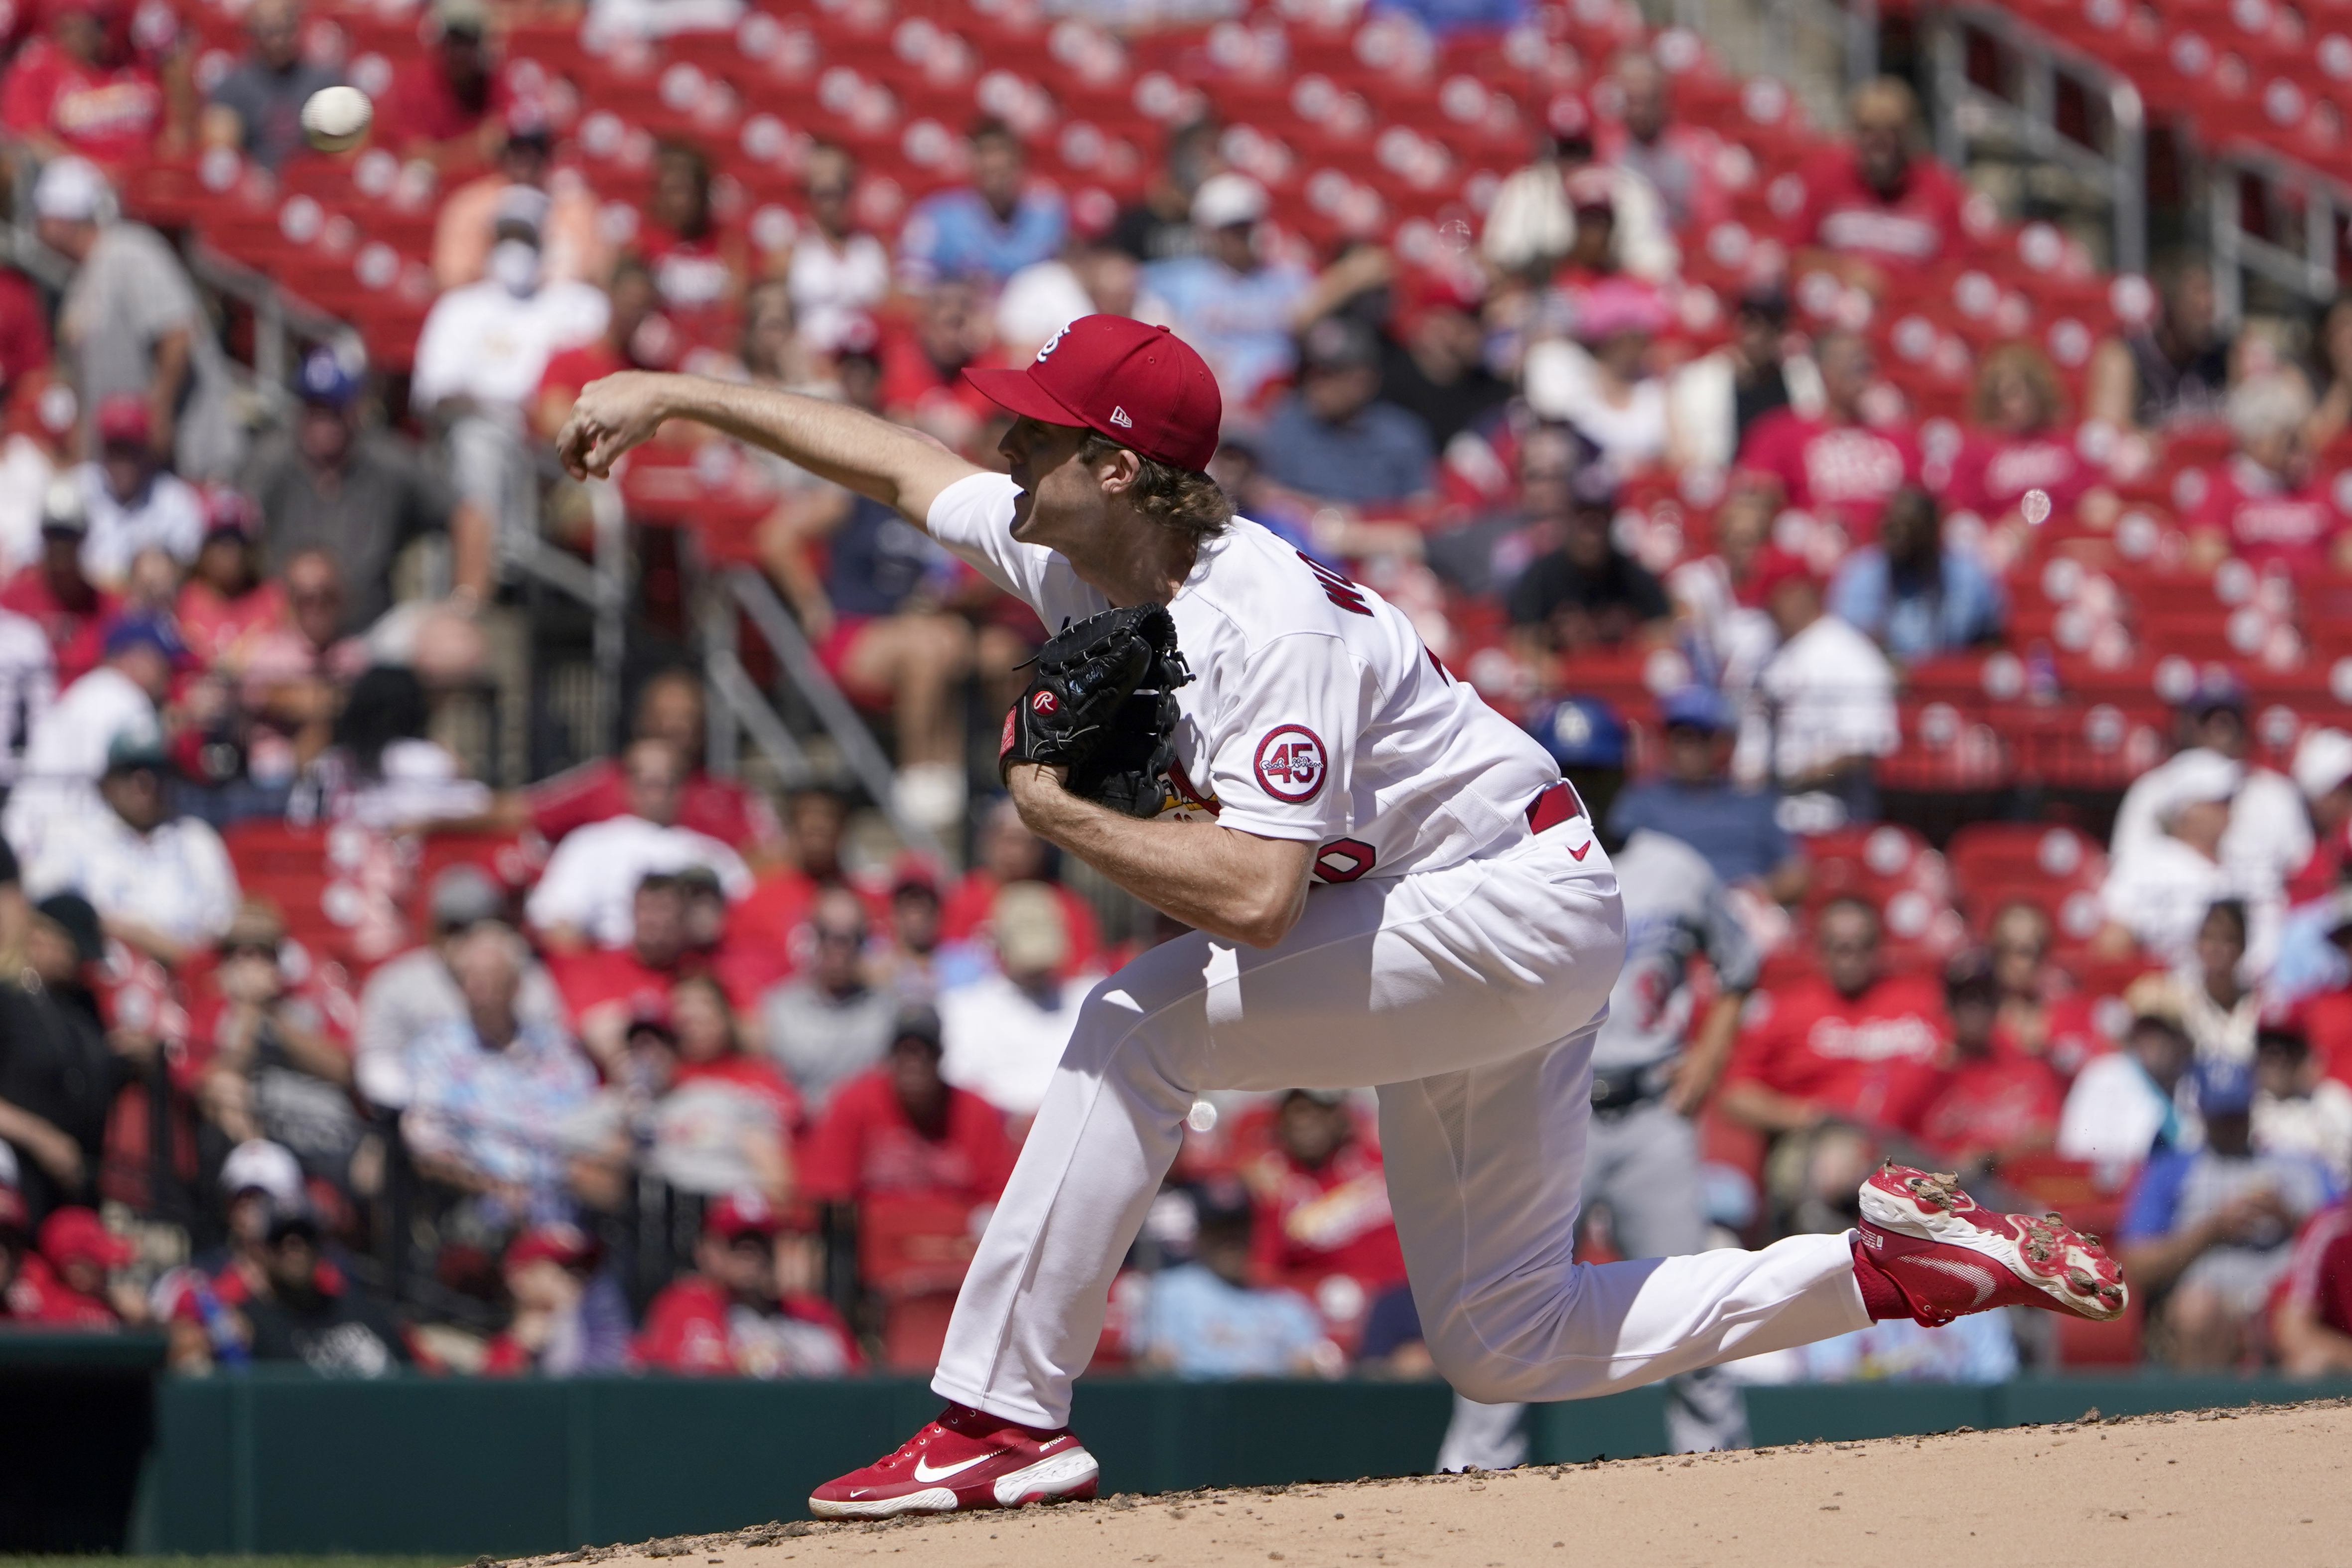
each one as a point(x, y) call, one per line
point(448, 105)
point(751, 1307)
point(1732, 825)
point(66, 754)
point(1588, 593)
point(68, 1282)
point(2322, 771)
point(2159, 893)
point(1333, 441)
point(1827, 695)
point(1210, 1317)
point(570, 1317)
point(1230, 297)
point(1004, 1031)
point(55, 594)
point(1004, 851)
point(305, 1310)
point(990, 230)
point(1433, 356)
point(132, 504)
point(228, 600)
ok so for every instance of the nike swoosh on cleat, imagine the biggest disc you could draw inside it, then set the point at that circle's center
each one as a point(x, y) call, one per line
point(923, 1471)
point(1967, 1273)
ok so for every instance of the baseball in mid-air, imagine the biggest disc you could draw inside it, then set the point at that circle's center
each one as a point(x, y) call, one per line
point(334, 119)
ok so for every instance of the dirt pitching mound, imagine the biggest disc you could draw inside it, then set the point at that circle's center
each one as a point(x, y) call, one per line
point(2270, 1486)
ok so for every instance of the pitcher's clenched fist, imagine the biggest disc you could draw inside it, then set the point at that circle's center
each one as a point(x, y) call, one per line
point(612, 415)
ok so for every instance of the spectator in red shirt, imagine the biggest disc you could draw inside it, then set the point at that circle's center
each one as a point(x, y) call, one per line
point(70, 1282)
point(699, 266)
point(670, 708)
point(1322, 1204)
point(73, 90)
point(55, 593)
point(2261, 505)
point(636, 337)
point(229, 601)
point(751, 1310)
point(2042, 1017)
point(1993, 1107)
point(922, 368)
point(1006, 853)
point(1879, 211)
point(899, 1130)
point(448, 107)
point(2019, 444)
point(1838, 466)
point(24, 331)
point(14, 1244)
point(568, 1319)
point(1851, 1043)
point(2311, 1316)
point(604, 988)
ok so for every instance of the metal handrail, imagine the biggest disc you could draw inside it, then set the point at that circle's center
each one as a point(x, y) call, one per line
point(2237, 250)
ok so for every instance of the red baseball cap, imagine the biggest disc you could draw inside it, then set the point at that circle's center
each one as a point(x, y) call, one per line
point(77, 1233)
point(564, 1243)
point(123, 416)
point(743, 1212)
point(1143, 386)
point(1775, 566)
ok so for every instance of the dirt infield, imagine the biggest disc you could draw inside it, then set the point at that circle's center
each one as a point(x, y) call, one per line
point(2272, 1486)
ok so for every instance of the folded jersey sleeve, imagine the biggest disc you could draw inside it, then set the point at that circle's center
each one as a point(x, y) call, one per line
point(1286, 762)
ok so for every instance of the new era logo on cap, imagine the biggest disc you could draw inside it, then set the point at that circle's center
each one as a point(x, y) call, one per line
point(1166, 404)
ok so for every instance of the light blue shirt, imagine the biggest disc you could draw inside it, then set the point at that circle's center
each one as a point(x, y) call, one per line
point(1908, 619)
point(1381, 455)
point(954, 234)
point(1206, 1328)
point(497, 1111)
point(1239, 320)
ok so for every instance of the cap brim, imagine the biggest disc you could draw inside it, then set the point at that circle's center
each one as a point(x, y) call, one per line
point(1014, 391)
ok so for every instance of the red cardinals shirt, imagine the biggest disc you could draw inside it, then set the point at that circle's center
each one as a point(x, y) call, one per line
point(724, 809)
point(2319, 1271)
point(2265, 520)
point(1918, 226)
point(421, 107)
point(1876, 1058)
point(1331, 1220)
point(37, 1295)
point(693, 1327)
point(24, 329)
point(1845, 472)
point(2004, 1106)
point(1992, 473)
point(865, 1145)
point(107, 115)
point(77, 636)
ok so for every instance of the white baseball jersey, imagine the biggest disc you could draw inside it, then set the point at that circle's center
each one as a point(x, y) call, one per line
point(1315, 714)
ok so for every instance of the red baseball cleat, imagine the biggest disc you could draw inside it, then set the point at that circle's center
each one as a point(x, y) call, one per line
point(1948, 1257)
point(966, 1459)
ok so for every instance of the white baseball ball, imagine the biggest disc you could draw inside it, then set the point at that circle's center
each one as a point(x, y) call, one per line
point(335, 119)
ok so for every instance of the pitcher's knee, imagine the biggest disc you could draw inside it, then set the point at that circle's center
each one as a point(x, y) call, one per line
point(1478, 1371)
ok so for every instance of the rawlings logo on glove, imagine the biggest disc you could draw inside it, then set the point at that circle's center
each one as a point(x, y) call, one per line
point(1103, 705)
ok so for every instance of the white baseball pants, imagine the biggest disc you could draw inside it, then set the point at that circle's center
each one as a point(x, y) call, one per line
point(1470, 997)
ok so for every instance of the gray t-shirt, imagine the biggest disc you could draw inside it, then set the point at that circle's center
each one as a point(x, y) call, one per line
point(1675, 912)
point(819, 1041)
point(364, 517)
point(130, 292)
point(269, 105)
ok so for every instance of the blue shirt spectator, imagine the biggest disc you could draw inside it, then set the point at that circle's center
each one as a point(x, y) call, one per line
point(1236, 307)
point(1201, 1324)
point(1442, 17)
point(1736, 830)
point(1332, 439)
point(993, 227)
point(1911, 595)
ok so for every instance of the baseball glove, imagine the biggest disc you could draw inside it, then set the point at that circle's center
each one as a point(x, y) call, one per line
point(1102, 704)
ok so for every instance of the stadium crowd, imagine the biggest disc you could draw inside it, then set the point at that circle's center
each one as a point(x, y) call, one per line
point(314, 1047)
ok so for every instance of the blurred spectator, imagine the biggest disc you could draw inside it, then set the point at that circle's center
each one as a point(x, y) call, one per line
point(292, 686)
point(1677, 159)
point(28, 685)
point(1910, 593)
point(309, 1311)
point(923, 382)
point(130, 321)
point(257, 108)
point(385, 773)
point(412, 996)
point(1232, 301)
point(1004, 852)
point(1209, 1318)
point(1323, 1203)
point(1881, 211)
point(2135, 1101)
point(1836, 464)
point(991, 229)
point(74, 1279)
point(2206, 1233)
point(1601, 384)
point(698, 266)
point(585, 894)
point(1333, 440)
point(24, 346)
point(839, 274)
point(1726, 634)
point(1849, 1043)
point(1433, 365)
point(76, 89)
point(2321, 770)
point(751, 1307)
point(636, 336)
point(274, 1063)
point(1160, 226)
point(2020, 441)
point(484, 346)
point(2262, 505)
point(490, 1090)
point(2206, 988)
point(130, 503)
point(2175, 368)
point(53, 592)
point(342, 482)
point(670, 707)
point(161, 882)
point(446, 106)
point(569, 1317)
point(1586, 593)
point(2311, 1319)
point(1092, 277)
point(829, 1025)
point(1004, 1033)
point(1993, 1107)
point(2159, 889)
point(1713, 401)
point(2041, 1015)
point(468, 230)
point(909, 968)
point(67, 752)
point(15, 1249)
point(1824, 708)
point(900, 1130)
point(2333, 414)
point(1732, 826)
point(2298, 1109)
point(1597, 218)
point(57, 1071)
point(227, 599)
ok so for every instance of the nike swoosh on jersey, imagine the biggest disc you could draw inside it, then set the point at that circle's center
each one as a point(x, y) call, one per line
point(923, 1471)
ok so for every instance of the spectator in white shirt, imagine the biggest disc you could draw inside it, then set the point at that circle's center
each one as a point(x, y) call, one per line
point(2159, 887)
point(131, 503)
point(1004, 1033)
point(1824, 710)
point(839, 274)
point(67, 751)
point(161, 883)
point(28, 685)
point(587, 895)
point(2128, 1102)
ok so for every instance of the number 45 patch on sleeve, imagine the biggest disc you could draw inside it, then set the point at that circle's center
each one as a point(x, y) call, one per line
point(1291, 764)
